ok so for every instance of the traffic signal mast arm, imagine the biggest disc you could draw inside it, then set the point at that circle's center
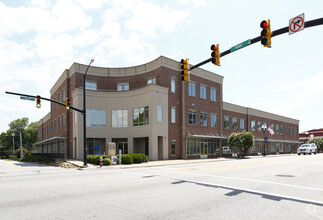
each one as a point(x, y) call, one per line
point(284, 30)
point(51, 100)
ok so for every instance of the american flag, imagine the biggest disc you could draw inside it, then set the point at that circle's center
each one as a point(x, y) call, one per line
point(271, 131)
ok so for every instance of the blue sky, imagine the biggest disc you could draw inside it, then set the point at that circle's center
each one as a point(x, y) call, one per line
point(39, 39)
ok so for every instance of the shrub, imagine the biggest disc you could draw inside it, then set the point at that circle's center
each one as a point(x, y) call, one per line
point(106, 161)
point(95, 159)
point(145, 158)
point(137, 158)
point(38, 158)
point(90, 158)
point(24, 151)
point(127, 159)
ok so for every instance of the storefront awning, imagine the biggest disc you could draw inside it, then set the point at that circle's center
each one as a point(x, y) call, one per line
point(206, 136)
point(50, 140)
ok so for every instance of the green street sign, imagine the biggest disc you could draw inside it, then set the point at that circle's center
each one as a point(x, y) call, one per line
point(27, 98)
point(241, 45)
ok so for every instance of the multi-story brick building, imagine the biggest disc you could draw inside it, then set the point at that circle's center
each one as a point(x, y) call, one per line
point(148, 109)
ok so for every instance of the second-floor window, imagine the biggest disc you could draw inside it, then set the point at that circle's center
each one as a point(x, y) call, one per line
point(203, 119)
point(234, 123)
point(119, 118)
point(141, 116)
point(242, 124)
point(226, 122)
point(95, 118)
point(173, 85)
point(192, 117)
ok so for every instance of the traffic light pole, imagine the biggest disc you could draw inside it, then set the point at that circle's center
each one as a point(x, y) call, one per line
point(284, 30)
point(50, 100)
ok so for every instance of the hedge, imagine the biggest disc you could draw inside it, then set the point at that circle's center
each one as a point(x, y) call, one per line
point(38, 158)
point(126, 159)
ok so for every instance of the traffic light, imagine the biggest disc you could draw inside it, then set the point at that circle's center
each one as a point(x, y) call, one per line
point(38, 101)
point(265, 33)
point(184, 70)
point(68, 103)
point(215, 54)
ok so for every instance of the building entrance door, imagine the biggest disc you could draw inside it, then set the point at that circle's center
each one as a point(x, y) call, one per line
point(203, 150)
point(123, 146)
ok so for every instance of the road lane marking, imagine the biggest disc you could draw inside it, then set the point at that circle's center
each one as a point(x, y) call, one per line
point(14, 166)
point(234, 188)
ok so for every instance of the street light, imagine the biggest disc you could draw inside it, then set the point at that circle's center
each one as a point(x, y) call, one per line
point(306, 134)
point(13, 142)
point(84, 115)
point(264, 129)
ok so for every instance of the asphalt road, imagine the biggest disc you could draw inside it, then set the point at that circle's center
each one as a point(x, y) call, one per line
point(284, 187)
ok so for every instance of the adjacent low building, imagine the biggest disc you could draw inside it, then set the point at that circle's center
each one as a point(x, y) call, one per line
point(148, 109)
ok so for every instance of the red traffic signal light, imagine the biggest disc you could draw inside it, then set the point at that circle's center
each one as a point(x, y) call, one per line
point(68, 103)
point(215, 55)
point(184, 70)
point(38, 101)
point(265, 33)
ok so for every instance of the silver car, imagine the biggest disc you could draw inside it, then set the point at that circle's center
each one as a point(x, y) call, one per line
point(307, 149)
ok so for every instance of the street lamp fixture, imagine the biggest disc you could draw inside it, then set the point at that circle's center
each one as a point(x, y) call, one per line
point(84, 115)
point(264, 129)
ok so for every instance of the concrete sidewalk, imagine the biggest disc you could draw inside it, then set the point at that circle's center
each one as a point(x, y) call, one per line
point(80, 163)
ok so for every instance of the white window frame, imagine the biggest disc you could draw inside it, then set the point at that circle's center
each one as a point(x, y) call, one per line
point(160, 111)
point(173, 85)
point(173, 115)
point(91, 85)
point(123, 87)
point(213, 92)
point(203, 91)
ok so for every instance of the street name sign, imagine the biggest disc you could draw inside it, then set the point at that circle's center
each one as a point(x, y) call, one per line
point(241, 45)
point(296, 24)
point(27, 98)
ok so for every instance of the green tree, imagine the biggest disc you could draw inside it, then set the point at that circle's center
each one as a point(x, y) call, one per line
point(242, 140)
point(28, 131)
point(318, 142)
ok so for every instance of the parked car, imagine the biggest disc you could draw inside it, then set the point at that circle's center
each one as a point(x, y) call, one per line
point(307, 149)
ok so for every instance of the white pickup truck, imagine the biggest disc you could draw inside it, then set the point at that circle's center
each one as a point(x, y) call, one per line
point(307, 149)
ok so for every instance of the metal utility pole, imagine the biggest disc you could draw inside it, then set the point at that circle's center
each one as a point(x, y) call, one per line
point(84, 116)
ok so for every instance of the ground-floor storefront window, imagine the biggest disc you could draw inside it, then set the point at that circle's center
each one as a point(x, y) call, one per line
point(202, 146)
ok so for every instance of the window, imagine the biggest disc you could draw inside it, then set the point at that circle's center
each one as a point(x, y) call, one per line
point(173, 85)
point(259, 126)
point(141, 116)
point(123, 87)
point(119, 118)
point(173, 147)
point(95, 118)
point(59, 97)
point(203, 120)
point(173, 115)
point(282, 129)
point(203, 92)
point(90, 85)
point(63, 95)
point(242, 124)
point(160, 114)
point(192, 117)
point(213, 94)
point(151, 81)
point(253, 126)
point(226, 122)
point(234, 123)
point(277, 129)
point(59, 122)
point(55, 105)
point(213, 120)
point(192, 89)
point(75, 117)
point(63, 120)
